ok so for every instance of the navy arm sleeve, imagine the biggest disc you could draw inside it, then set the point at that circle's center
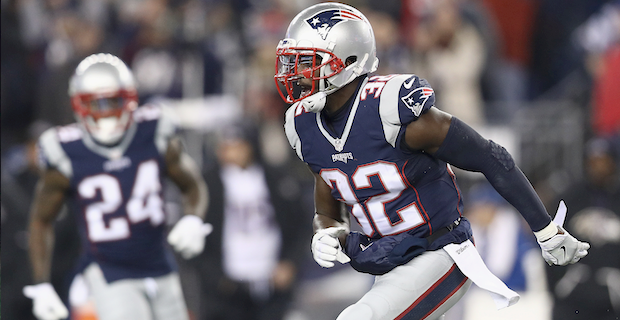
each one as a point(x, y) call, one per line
point(464, 148)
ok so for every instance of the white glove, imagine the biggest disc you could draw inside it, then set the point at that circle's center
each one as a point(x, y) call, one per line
point(46, 304)
point(561, 248)
point(188, 236)
point(326, 247)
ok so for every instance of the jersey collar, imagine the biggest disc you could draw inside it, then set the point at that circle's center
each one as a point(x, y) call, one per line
point(115, 151)
point(339, 143)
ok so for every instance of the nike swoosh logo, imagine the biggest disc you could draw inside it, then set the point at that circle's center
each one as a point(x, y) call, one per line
point(408, 85)
point(365, 247)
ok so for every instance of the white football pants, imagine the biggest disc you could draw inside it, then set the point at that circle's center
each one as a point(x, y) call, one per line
point(158, 298)
point(424, 288)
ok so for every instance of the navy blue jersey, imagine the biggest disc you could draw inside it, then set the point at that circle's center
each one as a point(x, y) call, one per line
point(387, 188)
point(117, 193)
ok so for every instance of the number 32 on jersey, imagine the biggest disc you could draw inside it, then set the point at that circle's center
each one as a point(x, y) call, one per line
point(371, 213)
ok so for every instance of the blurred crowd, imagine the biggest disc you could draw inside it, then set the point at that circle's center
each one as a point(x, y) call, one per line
point(488, 61)
point(485, 58)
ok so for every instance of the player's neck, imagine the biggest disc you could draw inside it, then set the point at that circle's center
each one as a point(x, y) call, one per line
point(338, 99)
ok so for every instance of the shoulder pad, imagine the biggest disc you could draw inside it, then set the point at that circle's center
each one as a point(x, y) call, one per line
point(51, 153)
point(417, 95)
point(403, 99)
point(69, 133)
point(411, 93)
point(289, 128)
point(148, 112)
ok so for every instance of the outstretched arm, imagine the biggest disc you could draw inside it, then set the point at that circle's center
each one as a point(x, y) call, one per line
point(451, 140)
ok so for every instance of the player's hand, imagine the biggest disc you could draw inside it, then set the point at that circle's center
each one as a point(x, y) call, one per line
point(326, 248)
point(188, 236)
point(46, 304)
point(562, 248)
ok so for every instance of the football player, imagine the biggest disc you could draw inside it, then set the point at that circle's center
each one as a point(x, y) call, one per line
point(380, 151)
point(110, 166)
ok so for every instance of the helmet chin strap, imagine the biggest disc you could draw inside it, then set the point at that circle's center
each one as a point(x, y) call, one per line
point(322, 72)
point(314, 103)
point(359, 68)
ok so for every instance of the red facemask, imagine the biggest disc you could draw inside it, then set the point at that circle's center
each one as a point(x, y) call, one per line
point(296, 63)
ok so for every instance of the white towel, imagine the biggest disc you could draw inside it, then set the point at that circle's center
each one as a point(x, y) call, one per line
point(469, 261)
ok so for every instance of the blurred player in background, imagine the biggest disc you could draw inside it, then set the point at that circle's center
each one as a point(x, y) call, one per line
point(379, 149)
point(252, 259)
point(110, 166)
point(590, 289)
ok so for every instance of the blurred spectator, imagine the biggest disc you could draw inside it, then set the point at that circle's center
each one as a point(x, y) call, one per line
point(508, 29)
point(500, 235)
point(395, 56)
point(513, 22)
point(554, 55)
point(72, 39)
point(599, 36)
point(450, 55)
point(167, 46)
point(589, 289)
point(251, 260)
point(169, 55)
point(263, 27)
point(20, 174)
point(227, 42)
point(17, 76)
point(606, 99)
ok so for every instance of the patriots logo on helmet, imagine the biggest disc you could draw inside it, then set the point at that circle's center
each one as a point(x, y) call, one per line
point(324, 21)
point(416, 99)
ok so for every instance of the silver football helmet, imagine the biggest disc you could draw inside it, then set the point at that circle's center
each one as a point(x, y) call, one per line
point(319, 43)
point(103, 96)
